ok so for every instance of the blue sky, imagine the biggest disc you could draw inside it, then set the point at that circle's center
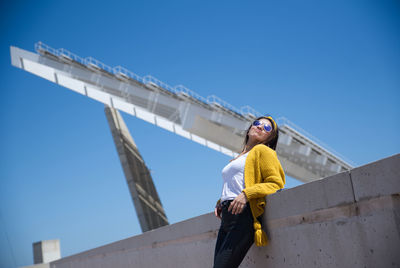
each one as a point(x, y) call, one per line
point(331, 67)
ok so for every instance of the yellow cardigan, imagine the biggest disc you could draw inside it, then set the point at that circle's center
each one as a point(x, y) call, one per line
point(263, 175)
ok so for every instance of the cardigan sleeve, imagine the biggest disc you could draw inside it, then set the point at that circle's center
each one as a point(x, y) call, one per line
point(263, 173)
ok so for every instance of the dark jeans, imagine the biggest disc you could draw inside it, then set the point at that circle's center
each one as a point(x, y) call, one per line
point(235, 237)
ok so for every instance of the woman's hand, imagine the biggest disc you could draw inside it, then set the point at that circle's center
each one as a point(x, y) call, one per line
point(217, 211)
point(238, 204)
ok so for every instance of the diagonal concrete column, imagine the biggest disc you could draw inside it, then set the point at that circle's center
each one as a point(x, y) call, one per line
point(144, 194)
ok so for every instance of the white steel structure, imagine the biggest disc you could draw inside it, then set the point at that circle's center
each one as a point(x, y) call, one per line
point(209, 121)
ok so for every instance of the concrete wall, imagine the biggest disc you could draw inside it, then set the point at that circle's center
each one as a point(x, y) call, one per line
point(351, 219)
point(46, 251)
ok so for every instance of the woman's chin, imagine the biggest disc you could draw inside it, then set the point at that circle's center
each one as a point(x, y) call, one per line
point(257, 138)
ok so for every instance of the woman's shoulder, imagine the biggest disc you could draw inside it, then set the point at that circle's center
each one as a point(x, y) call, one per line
point(264, 149)
point(263, 153)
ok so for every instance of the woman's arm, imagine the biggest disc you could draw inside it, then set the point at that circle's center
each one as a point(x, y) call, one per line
point(217, 212)
point(265, 171)
point(217, 209)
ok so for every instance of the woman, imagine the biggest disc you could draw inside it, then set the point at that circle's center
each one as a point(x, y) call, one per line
point(253, 174)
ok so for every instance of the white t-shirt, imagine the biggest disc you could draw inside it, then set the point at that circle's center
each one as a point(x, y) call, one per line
point(233, 178)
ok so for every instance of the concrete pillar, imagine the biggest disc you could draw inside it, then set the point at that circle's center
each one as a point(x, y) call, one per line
point(46, 251)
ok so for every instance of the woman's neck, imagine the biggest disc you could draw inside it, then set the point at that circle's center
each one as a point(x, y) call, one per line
point(249, 145)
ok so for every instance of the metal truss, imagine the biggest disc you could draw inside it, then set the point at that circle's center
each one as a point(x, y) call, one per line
point(210, 121)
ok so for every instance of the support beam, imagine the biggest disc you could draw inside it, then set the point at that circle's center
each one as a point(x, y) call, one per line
point(145, 198)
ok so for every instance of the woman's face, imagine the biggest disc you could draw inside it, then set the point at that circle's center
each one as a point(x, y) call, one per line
point(257, 134)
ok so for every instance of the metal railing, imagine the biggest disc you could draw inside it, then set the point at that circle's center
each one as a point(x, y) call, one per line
point(214, 100)
point(249, 112)
point(282, 121)
point(184, 90)
point(151, 79)
point(61, 53)
point(96, 64)
point(121, 71)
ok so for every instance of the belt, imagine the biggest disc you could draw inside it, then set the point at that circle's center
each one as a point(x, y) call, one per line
point(226, 203)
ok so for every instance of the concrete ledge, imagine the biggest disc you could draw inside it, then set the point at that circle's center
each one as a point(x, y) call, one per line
point(329, 192)
point(41, 265)
point(361, 234)
point(351, 219)
point(377, 179)
point(201, 227)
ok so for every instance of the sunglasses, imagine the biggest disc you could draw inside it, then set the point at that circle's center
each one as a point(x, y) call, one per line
point(267, 128)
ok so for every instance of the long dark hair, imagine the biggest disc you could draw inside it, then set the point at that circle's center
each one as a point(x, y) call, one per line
point(272, 140)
